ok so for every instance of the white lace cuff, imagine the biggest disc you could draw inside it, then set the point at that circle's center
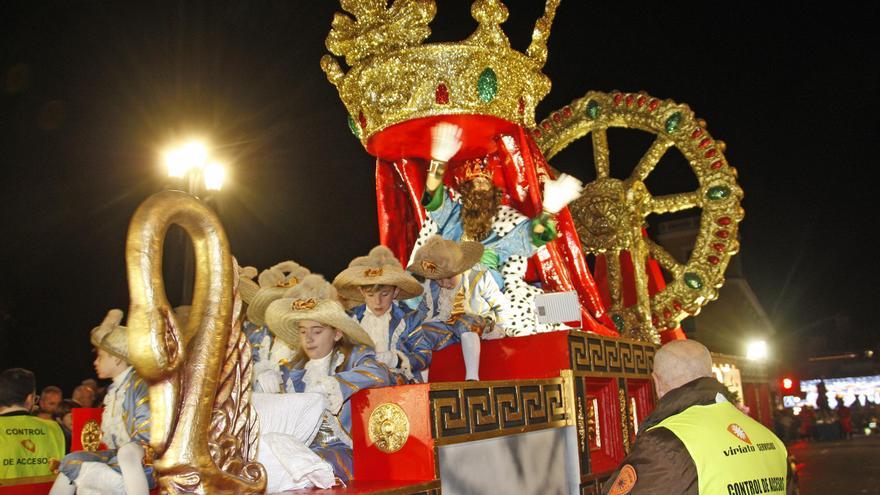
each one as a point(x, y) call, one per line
point(329, 387)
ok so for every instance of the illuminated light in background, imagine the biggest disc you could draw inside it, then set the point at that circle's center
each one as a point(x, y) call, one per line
point(757, 350)
point(182, 159)
point(787, 383)
point(214, 174)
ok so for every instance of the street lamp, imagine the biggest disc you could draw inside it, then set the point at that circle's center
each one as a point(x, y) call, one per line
point(191, 162)
point(757, 350)
point(190, 165)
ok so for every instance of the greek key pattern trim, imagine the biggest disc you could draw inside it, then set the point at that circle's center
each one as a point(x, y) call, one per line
point(595, 354)
point(466, 411)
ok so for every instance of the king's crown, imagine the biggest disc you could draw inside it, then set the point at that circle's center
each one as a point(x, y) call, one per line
point(394, 77)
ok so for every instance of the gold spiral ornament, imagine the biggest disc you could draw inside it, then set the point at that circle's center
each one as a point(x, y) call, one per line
point(90, 437)
point(388, 427)
point(611, 214)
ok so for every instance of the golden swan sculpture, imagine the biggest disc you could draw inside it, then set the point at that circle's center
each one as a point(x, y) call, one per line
point(204, 430)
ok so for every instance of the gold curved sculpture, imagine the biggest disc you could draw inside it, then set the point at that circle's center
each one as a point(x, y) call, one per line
point(611, 213)
point(204, 431)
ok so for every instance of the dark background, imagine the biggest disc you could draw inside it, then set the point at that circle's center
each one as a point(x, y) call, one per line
point(92, 91)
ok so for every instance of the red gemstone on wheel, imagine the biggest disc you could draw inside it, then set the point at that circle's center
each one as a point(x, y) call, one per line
point(546, 125)
point(537, 133)
point(717, 165)
point(618, 98)
point(713, 259)
point(522, 106)
point(653, 105)
point(697, 133)
point(362, 120)
point(667, 314)
point(566, 112)
point(723, 221)
point(718, 247)
point(711, 153)
point(556, 117)
point(641, 101)
point(705, 142)
point(723, 234)
point(629, 100)
point(676, 305)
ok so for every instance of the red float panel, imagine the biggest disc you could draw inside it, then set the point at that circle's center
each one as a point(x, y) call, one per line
point(415, 460)
point(81, 415)
point(640, 394)
point(536, 356)
point(605, 435)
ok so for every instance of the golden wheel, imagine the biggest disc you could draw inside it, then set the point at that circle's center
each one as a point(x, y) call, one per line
point(611, 214)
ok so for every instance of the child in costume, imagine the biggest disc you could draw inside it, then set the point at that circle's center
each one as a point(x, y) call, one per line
point(123, 468)
point(377, 280)
point(333, 357)
point(268, 352)
point(462, 301)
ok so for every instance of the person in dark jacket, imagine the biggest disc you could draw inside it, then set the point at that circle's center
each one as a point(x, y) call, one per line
point(696, 441)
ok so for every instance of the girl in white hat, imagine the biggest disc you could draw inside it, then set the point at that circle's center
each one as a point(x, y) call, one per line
point(378, 281)
point(333, 357)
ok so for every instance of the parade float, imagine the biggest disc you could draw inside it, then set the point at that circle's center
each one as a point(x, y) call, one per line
point(558, 406)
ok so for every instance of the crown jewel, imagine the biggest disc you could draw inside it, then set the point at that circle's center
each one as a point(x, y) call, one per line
point(394, 77)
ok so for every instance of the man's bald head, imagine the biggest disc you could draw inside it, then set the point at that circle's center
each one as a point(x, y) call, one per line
point(680, 362)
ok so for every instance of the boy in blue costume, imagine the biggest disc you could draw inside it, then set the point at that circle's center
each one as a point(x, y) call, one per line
point(462, 301)
point(333, 357)
point(126, 467)
point(377, 280)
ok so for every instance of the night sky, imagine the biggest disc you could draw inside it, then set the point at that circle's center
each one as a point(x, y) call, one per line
point(92, 92)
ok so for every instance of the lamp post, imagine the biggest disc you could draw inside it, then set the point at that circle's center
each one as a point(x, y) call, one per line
point(191, 168)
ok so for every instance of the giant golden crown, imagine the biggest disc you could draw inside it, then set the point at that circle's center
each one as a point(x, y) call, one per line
point(394, 77)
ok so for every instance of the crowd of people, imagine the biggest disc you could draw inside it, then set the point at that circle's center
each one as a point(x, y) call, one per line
point(826, 423)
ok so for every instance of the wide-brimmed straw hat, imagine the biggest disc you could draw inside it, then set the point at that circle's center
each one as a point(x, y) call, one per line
point(247, 286)
point(313, 299)
point(273, 283)
point(111, 336)
point(380, 267)
point(440, 258)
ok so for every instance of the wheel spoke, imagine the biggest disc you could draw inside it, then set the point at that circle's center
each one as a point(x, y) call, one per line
point(639, 254)
point(612, 261)
point(665, 259)
point(601, 154)
point(650, 158)
point(674, 202)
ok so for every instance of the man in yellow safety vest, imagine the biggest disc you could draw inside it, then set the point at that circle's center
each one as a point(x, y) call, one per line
point(695, 441)
point(28, 444)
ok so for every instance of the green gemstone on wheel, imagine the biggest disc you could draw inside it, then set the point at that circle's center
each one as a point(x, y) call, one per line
point(487, 85)
point(353, 126)
point(718, 192)
point(673, 122)
point(693, 281)
point(618, 321)
point(592, 109)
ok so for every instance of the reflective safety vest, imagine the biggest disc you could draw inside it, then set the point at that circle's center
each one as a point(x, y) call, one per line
point(27, 446)
point(733, 453)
